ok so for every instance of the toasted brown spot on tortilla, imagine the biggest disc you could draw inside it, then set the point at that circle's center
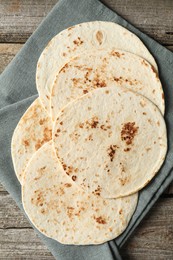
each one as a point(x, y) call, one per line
point(78, 41)
point(99, 37)
point(107, 91)
point(124, 180)
point(63, 69)
point(144, 63)
point(111, 151)
point(155, 72)
point(117, 54)
point(41, 121)
point(127, 149)
point(70, 28)
point(47, 97)
point(148, 149)
point(128, 132)
point(70, 211)
point(68, 185)
point(144, 113)
point(100, 220)
point(74, 177)
point(85, 91)
point(26, 142)
point(120, 211)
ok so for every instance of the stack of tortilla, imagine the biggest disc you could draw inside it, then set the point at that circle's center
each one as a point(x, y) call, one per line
point(94, 137)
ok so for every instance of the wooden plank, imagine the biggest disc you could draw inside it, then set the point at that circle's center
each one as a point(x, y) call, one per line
point(10, 215)
point(153, 239)
point(22, 244)
point(7, 53)
point(19, 19)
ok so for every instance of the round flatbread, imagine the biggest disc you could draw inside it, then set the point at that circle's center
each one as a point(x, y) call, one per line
point(91, 70)
point(111, 141)
point(63, 211)
point(81, 38)
point(33, 130)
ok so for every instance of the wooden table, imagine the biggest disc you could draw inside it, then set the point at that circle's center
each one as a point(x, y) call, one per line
point(153, 239)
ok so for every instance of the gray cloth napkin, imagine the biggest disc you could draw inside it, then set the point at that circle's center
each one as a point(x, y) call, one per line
point(18, 90)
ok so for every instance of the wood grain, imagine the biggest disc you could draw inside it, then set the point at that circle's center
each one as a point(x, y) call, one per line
point(19, 18)
point(7, 53)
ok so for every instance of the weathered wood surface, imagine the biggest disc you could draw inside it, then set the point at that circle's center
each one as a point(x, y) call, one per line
point(153, 239)
point(19, 18)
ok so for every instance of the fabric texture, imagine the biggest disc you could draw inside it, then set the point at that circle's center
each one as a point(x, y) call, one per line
point(18, 91)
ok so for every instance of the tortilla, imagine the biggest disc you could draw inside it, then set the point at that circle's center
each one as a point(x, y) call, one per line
point(82, 38)
point(111, 141)
point(63, 211)
point(33, 130)
point(91, 70)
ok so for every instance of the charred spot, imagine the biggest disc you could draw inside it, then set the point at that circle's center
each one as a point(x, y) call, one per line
point(100, 83)
point(128, 132)
point(100, 220)
point(78, 41)
point(97, 191)
point(47, 97)
point(74, 177)
point(64, 166)
point(127, 149)
point(111, 152)
point(69, 170)
point(85, 91)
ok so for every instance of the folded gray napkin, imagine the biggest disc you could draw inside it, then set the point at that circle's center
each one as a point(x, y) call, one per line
point(18, 90)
